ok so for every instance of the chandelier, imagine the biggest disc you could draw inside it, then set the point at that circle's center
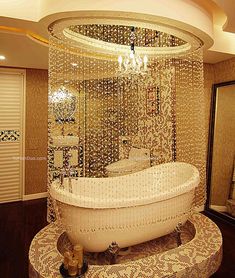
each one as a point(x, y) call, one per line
point(132, 63)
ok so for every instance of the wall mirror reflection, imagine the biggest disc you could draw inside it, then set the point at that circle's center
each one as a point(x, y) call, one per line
point(221, 153)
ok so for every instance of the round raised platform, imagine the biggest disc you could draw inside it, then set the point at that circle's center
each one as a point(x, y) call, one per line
point(199, 256)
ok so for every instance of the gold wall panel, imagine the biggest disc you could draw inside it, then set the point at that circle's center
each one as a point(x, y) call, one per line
point(36, 131)
point(225, 71)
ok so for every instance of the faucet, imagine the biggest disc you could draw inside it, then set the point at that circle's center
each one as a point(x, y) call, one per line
point(64, 173)
point(66, 170)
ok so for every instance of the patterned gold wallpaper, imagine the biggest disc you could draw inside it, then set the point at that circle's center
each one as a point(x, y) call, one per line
point(36, 131)
point(225, 71)
point(156, 130)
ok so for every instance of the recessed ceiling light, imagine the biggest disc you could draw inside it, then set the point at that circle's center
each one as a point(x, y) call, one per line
point(2, 57)
point(74, 64)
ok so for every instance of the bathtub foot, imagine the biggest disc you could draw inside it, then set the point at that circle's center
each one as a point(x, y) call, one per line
point(124, 251)
point(112, 252)
point(178, 233)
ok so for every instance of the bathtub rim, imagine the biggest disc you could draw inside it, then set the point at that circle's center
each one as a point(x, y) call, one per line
point(72, 199)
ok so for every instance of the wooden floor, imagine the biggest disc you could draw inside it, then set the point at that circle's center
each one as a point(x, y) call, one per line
point(20, 221)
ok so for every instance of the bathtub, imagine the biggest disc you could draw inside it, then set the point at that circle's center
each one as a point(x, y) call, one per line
point(126, 209)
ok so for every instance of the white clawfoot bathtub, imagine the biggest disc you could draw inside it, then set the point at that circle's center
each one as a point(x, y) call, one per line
point(127, 209)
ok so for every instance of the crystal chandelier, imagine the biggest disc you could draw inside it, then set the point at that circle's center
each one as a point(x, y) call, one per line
point(132, 63)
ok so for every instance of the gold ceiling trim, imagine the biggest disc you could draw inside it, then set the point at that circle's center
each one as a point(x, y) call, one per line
point(60, 30)
point(25, 32)
point(102, 47)
point(84, 53)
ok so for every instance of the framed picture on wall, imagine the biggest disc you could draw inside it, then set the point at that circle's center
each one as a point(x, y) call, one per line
point(153, 100)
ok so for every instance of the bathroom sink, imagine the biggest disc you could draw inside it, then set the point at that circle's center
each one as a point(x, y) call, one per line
point(65, 141)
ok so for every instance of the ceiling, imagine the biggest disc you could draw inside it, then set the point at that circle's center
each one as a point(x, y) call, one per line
point(23, 41)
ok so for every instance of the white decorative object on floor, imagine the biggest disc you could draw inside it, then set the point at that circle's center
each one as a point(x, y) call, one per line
point(127, 209)
point(139, 159)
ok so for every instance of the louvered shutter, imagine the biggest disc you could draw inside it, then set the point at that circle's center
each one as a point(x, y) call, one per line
point(11, 127)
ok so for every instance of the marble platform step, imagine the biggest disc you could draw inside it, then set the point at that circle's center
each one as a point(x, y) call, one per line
point(200, 254)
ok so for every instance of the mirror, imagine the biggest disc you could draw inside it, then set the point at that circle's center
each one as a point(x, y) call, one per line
point(64, 105)
point(221, 152)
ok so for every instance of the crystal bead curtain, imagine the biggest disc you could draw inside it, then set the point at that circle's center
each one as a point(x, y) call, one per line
point(161, 111)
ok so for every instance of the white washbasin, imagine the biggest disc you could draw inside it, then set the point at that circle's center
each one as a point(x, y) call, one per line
point(65, 141)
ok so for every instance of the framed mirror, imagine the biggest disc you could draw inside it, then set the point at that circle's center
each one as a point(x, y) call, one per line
point(221, 153)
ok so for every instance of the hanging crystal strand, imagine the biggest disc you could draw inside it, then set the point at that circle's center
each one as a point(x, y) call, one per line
point(50, 209)
point(82, 113)
point(105, 123)
point(100, 95)
point(90, 142)
point(106, 129)
point(104, 111)
point(200, 156)
point(76, 84)
point(172, 43)
point(85, 107)
point(96, 125)
point(88, 118)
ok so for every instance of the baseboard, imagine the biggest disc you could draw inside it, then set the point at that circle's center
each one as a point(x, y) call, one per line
point(219, 208)
point(35, 196)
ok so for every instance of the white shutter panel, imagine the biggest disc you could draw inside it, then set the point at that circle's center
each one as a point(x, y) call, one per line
point(11, 98)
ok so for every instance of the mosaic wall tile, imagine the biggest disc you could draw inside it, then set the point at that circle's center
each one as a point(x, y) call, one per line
point(9, 135)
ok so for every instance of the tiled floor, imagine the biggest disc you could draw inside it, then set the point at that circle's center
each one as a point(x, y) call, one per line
point(20, 221)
